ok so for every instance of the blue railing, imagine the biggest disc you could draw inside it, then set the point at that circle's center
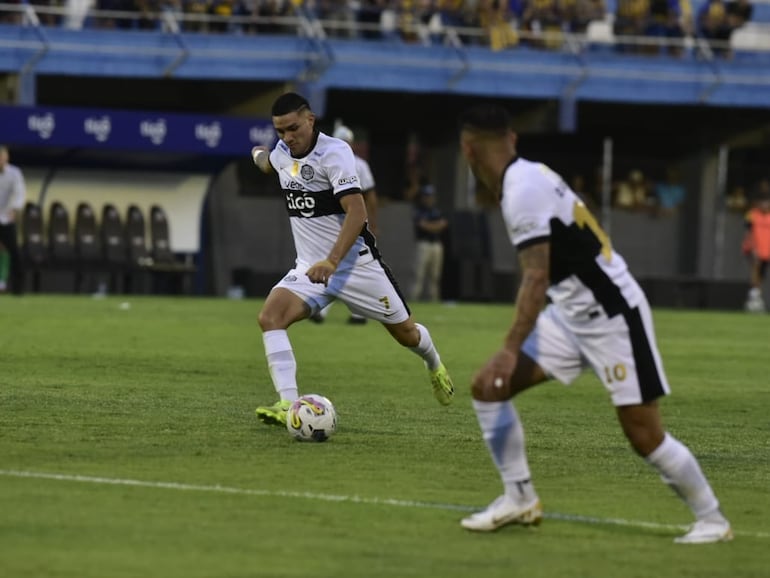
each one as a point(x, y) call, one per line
point(458, 60)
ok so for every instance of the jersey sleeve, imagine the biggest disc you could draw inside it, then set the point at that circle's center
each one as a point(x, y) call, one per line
point(527, 210)
point(341, 171)
point(19, 191)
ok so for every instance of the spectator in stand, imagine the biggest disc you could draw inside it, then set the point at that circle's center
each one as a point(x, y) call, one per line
point(339, 12)
point(123, 22)
point(632, 194)
point(195, 11)
point(147, 14)
point(577, 14)
point(222, 12)
point(714, 26)
point(736, 199)
point(46, 17)
point(631, 19)
point(12, 17)
point(665, 23)
point(369, 15)
point(268, 11)
point(543, 21)
point(738, 13)
point(669, 194)
point(494, 17)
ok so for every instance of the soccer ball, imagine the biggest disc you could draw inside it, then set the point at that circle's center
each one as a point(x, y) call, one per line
point(311, 418)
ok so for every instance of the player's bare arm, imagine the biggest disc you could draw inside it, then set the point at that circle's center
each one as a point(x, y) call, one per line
point(534, 262)
point(355, 217)
point(261, 157)
point(370, 199)
point(490, 382)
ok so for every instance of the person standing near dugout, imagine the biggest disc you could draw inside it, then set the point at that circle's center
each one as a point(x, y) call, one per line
point(756, 245)
point(13, 194)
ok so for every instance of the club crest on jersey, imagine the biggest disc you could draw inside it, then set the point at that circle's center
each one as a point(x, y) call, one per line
point(307, 172)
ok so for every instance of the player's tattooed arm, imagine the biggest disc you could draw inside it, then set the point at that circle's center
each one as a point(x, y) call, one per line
point(534, 262)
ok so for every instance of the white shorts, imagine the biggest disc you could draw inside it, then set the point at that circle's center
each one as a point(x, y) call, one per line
point(369, 290)
point(621, 350)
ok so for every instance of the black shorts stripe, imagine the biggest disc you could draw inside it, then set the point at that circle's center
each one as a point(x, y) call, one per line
point(646, 368)
point(393, 281)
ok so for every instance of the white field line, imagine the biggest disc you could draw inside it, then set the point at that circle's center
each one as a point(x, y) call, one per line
point(337, 498)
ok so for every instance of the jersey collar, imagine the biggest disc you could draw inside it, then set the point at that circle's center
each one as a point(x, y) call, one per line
point(505, 170)
point(311, 147)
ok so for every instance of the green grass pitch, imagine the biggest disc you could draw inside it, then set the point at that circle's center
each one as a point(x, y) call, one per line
point(129, 448)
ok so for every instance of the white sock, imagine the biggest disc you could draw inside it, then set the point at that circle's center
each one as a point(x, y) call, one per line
point(325, 311)
point(680, 470)
point(281, 362)
point(504, 436)
point(426, 349)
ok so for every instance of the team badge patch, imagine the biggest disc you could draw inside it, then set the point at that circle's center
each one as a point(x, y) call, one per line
point(307, 172)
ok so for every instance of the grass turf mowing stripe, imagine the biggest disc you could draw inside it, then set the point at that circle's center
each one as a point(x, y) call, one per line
point(337, 498)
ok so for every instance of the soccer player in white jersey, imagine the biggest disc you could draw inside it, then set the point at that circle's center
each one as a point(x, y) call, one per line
point(367, 186)
point(598, 317)
point(337, 256)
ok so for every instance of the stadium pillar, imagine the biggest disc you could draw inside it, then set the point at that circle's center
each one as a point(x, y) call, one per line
point(567, 114)
point(316, 96)
point(19, 88)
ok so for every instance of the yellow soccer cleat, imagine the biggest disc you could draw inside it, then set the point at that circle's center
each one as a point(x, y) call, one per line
point(443, 389)
point(273, 414)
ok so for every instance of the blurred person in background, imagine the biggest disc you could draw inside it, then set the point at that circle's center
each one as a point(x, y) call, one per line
point(13, 195)
point(429, 227)
point(577, 14)
point(756, 246)
point(736, 199)
point(631, 19)
point(666, 22)
point(714, 25)
point(366, 181)
point(632, 194)
point(578, 307)
point(669, 194)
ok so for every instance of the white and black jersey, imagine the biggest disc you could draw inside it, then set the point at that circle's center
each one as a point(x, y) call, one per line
point(313, 185)
point(365, 176)
point(585, 271)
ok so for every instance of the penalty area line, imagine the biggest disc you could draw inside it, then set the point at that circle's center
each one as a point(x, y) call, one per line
point(591, 520)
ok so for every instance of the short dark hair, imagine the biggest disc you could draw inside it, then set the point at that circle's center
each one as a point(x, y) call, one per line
point(486, 117)
point(289, 102)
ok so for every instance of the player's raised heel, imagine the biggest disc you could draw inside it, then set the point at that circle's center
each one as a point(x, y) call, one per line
point(502, 512)
point(443, 388)
point(707, 532)
point(273, 414)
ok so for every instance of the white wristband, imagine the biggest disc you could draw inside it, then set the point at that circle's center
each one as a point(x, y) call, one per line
point(256, 154)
